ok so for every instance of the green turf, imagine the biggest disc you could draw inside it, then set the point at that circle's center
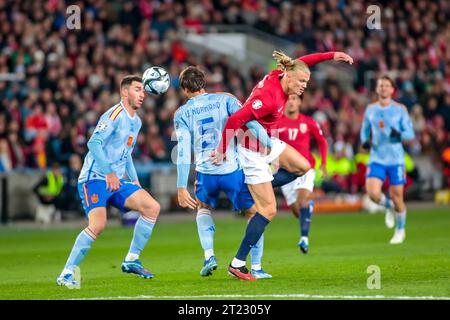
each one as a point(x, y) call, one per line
point(342, 247)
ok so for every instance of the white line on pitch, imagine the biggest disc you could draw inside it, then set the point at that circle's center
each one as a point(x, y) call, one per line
point(252, 296)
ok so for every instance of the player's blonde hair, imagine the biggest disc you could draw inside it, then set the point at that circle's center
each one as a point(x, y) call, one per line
point(286, 63)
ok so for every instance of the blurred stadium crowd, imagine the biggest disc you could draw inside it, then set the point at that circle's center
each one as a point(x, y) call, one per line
point(72, 76)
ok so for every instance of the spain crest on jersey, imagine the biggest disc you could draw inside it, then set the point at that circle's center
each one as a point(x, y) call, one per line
point(130, 141)
point(94, 198)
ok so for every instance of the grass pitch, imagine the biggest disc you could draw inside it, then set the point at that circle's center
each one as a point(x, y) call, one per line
point(341, 250)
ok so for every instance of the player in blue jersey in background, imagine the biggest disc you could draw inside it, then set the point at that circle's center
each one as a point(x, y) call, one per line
point(199, 124)
point(388, 124)
point(101, 182)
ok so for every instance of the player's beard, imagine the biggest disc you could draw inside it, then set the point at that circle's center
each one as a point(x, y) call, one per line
point(133, 104)
point(384, 96)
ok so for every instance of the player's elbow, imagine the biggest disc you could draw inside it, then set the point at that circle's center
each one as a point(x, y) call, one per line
point(408, 136)
point(93, 142)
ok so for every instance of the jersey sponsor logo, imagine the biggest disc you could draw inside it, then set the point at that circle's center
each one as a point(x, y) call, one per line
point(303, 127)
point(381, 124)
point(94, 198)
point(130, 141)
point(257, 104)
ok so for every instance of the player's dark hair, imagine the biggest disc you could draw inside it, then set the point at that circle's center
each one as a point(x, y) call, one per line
point(128, 80)
point(386, 77)
point(192, 79)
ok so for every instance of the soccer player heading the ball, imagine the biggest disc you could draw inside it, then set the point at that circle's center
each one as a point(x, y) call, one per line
point(101, 182)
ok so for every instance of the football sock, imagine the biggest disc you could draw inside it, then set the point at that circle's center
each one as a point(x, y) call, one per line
point(256, 253)
point(253, 233)
point(305, 220)
point(80, 249)
point(401, 220)
point(206, 230)
point(142, 232)
point(384, 201)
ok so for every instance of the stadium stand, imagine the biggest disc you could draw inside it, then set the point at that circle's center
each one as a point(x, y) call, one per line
point(69, 77)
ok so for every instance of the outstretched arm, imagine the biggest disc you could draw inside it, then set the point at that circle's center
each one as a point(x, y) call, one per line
point(315, 58)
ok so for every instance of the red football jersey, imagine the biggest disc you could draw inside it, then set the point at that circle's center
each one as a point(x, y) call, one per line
point(266, 103)
point(268, 100)
point(298, 132)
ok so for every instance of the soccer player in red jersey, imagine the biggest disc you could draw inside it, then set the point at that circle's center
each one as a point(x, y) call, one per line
point(296, 129)
point(266, 104)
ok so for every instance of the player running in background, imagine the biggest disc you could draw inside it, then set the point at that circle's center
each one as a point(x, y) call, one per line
point(296, 129)
point(101, 182)
point(388, 122)
point(198, 124)
point(266, 104)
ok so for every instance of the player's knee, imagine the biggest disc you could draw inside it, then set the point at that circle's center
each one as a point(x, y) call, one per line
point(269, 211)
point(303, 168)
point(97, 227)
point(304, 203)
point(374, 195)
point(150, 209)
point(398, 201)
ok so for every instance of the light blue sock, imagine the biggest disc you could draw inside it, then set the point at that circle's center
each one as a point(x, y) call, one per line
point(206, 230)
point(256, 253)
point(401, 220)
point(80, 249)
point(142, 232)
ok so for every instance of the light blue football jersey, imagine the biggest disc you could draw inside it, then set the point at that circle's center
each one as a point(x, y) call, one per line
point(201, 121)
point(118, 132)
point(379, 121)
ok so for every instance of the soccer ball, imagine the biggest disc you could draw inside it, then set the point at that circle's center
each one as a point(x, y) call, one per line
point(156, 80)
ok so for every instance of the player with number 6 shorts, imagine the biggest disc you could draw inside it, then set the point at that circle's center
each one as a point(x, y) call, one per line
point(102, 182)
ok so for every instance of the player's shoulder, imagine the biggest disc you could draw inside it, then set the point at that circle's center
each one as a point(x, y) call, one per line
point(311, 121)
point(181, 113)
point(275, 73)
point(114, 113)
point(399, 105)
point(372, 105)
point(222, 94)
point(258, 99)
point(138, 119)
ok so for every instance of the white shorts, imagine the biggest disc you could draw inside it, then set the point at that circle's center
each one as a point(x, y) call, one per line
point(256, 165)
point(304, 182)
